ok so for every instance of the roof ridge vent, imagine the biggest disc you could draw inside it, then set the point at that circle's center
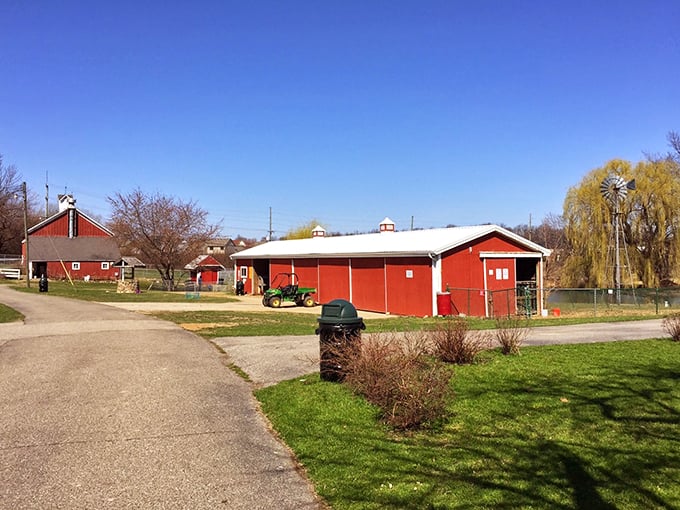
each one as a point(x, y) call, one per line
point(386, 225)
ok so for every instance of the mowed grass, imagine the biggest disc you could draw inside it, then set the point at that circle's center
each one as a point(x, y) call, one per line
point(593, 426)
point(106, 292)
point(268, 322)
point(8, 314)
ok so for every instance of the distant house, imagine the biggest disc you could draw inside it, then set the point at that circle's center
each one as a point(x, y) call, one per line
point(221, 248)
point(70, 244)
point(207, 267)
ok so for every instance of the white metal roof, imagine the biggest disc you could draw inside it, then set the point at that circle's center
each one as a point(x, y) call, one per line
point(404, 243)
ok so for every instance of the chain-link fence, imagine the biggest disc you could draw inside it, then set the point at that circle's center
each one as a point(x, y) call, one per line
point(526, 301)
point(605, 301)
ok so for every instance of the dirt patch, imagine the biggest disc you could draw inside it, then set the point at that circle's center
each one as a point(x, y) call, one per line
point(197, 326)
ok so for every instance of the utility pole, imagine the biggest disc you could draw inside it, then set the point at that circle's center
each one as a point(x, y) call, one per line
point(271, 232)
point(27, 260)
point(47, 197)
point(411, 222)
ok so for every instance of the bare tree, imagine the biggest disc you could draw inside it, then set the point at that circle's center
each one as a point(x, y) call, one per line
point(673, 138)
point(166, 232)
point(12, 210)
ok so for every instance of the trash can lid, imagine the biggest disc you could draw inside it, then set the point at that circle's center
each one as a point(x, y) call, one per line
point(339, 311)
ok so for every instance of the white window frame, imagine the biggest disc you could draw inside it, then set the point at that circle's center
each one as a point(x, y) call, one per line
point(75, 266)
point(106, 266)
point(244, 272)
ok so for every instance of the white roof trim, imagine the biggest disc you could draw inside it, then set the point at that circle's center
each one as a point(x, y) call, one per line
point(509, 255)
point(429, 242)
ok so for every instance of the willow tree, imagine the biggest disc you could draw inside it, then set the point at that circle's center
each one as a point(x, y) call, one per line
point(587, 227)
point(654, 221)
point(302, 231)
point(649, 218)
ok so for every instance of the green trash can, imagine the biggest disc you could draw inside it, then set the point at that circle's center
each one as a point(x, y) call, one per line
point(339, 327)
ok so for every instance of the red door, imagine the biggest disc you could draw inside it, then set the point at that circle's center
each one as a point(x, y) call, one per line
point(500, 287)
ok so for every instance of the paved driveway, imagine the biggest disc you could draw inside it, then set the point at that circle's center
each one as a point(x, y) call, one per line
point(104, 408)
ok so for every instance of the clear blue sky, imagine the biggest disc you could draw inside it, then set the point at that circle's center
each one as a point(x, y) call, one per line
point(345, 111)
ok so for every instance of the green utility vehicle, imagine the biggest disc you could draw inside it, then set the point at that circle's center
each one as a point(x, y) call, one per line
point(285, 287)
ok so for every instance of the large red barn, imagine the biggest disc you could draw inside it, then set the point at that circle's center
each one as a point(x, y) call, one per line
point(477, 268)
point(70, 244)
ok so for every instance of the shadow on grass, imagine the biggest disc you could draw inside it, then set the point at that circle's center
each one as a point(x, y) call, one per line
point(603, 440)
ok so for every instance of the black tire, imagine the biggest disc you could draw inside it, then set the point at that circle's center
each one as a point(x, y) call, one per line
point(308, 301)
point(264, 301)
point(275, 302)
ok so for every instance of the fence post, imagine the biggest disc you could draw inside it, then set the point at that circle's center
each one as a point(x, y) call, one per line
point(656, 300)
point(595, 302)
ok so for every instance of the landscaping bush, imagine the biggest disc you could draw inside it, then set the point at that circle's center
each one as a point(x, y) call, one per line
point(671, 325)
point(453, 342)
point(510, 333)
point(397, 373)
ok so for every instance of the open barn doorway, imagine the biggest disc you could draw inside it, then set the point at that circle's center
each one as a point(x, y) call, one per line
point(261, 269)
point(527, 291)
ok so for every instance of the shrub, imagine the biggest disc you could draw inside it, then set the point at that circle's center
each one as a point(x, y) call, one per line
point(396, 373)
point(510, 334)
point(671, 325)
point(453, 342)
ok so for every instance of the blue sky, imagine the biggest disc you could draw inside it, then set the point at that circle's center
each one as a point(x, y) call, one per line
point(345, 111)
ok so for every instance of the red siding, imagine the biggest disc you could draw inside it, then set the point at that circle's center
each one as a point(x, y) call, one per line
point(248, 283)
point(409, 294)
point(59, 228)
point(307, 272)
point(56, 228)
point(463, 273)
point(333, 280)
point(89, 229)
point(368, 284)
point(56, 271)
point(277, 266)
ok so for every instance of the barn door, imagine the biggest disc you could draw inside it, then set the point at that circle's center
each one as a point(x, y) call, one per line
point(500, 287)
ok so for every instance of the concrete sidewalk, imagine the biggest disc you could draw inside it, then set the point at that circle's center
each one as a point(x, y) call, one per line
point(105, 408)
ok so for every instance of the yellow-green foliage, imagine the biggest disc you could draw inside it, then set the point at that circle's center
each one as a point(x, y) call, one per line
point(650, 217)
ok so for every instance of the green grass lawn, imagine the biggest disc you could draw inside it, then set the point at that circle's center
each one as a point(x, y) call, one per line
point(8, 314)
point(280, 322)
point(593, 426)
point(106, 292)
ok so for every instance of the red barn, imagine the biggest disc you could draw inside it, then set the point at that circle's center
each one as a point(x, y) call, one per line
point(207, 267)
point(70, 244)
point(477, 269)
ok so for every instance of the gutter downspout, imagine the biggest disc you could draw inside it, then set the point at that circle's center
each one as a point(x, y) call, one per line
point(436, 279)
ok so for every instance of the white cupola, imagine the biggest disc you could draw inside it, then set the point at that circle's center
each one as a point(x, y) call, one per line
point(319, 231)
point(386, 225)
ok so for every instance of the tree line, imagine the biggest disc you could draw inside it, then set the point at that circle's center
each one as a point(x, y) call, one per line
point(166, 232)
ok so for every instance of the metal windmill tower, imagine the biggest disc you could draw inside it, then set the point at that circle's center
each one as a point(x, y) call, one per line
point(614, 189)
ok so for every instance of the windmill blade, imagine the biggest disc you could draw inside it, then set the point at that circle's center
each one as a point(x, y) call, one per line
point(631, 185)
point(613, 188)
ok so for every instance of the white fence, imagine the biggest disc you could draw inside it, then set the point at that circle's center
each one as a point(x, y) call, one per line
point(14, 274)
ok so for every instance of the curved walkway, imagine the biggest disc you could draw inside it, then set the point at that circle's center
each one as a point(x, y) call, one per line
point(105, 408)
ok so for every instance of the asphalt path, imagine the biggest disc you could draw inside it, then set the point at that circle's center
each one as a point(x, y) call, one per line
point(106, 408)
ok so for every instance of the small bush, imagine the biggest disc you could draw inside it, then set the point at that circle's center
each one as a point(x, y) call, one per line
point(453, 342)
point(510, 334)
point(396, 373)
point(671, 325)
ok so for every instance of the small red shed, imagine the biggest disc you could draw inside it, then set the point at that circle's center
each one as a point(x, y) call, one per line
point(480, 268)
point(207, 268)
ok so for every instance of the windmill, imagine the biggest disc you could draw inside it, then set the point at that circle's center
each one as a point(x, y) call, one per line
point(614, 189)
